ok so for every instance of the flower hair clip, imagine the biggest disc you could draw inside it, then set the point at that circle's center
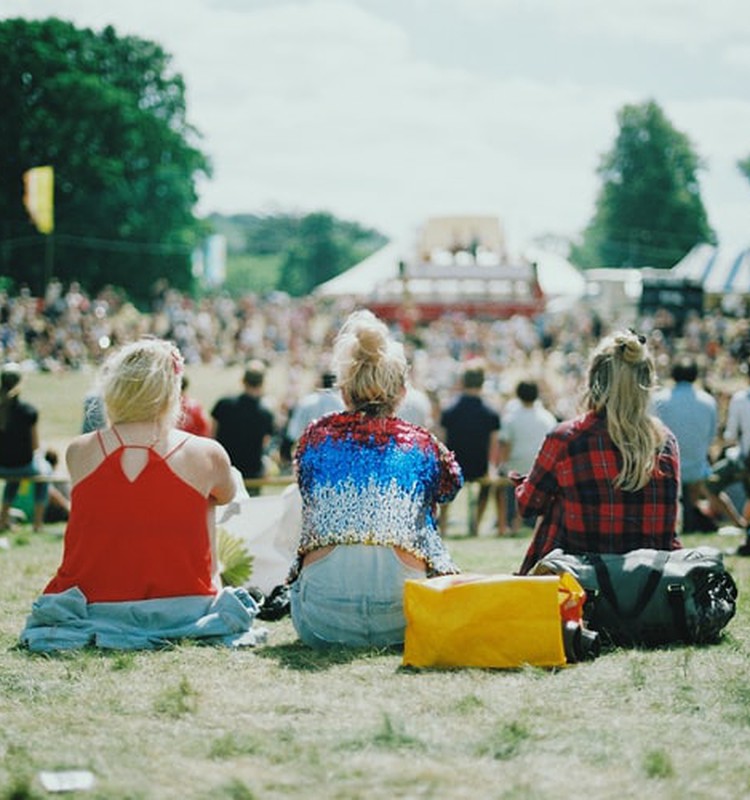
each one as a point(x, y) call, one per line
point(178, 363)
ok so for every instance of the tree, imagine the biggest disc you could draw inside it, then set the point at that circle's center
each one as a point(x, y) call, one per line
point(289, 252)
point(744, 166)
point(649, 210)
point(316, 254)
point(108, 114)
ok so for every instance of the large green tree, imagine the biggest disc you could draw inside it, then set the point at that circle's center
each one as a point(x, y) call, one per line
point(109, 114)
point(649, 211)
point(321, 250)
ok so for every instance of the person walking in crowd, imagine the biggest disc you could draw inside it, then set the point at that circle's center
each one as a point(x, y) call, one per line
point(607, 480)
point(471, 428)
point(323, 400)
point(735, 466)
point(193, 417)
point(141, 523)
point(370, 485)
point(416, 407)
point(523, 429)
point(692, 415)
point(19, 447)
point(243, 424)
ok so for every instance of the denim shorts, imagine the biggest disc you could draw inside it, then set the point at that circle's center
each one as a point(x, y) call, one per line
point(728, 471)
point(38, 466)
point(352, 596)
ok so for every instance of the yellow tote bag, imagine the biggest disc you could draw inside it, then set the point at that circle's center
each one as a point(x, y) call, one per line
point(501, 621)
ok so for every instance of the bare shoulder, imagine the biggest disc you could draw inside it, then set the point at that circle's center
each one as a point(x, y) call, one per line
point(82, 455)
point(208, 448)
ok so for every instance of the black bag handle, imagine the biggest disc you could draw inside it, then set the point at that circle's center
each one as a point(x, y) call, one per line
point(606, 588)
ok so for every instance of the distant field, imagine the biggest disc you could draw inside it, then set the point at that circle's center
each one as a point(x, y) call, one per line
point(59, 397)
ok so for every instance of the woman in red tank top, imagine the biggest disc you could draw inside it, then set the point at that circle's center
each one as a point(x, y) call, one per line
point(143, 493)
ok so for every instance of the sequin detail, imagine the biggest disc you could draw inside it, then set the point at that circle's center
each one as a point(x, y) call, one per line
point(374, 480)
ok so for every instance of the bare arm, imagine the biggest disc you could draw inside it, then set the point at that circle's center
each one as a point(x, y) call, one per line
point(224, 487)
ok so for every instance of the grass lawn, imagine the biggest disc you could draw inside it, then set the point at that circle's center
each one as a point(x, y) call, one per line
point(281, 721)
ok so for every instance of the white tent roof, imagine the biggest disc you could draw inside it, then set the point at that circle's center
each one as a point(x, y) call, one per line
point(557, 276)
point(362, 278)
point(719, 271)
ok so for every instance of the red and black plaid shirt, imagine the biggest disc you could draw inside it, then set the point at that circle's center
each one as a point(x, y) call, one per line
point(572, 486)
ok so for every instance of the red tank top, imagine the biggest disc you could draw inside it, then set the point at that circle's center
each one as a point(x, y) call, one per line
point(135, 540)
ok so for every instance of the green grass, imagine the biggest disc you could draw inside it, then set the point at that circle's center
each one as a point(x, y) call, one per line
point(252, 273)
point(285, 721)
point(282, 721)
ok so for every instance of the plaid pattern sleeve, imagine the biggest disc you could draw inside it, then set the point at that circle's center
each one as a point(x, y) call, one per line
point(571, 489)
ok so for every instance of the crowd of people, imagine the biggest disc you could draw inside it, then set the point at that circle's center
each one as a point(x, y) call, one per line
point(565, 405)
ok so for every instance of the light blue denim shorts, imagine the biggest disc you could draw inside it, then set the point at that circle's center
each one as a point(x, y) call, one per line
point(352, 596)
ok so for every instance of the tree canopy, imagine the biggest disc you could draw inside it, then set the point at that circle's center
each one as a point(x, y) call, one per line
point(109, 115)
point(291, 252)
point(649, 210)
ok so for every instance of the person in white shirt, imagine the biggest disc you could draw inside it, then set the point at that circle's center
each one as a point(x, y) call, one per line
point(523, 429)
point(320, 401)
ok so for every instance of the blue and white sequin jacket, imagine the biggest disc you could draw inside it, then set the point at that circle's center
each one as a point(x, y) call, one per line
point(374, 480)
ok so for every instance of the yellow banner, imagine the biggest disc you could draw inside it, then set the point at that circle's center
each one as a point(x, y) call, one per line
point(38, 197)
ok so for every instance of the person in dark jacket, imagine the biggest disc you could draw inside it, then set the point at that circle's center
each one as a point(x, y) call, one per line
point(244, 425)
point(471, 429)
point(19, 445)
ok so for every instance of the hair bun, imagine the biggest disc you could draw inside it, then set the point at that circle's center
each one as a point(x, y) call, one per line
point(370, 344)
point(632, 347)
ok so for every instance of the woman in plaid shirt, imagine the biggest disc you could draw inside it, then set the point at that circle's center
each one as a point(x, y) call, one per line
point(608, 480)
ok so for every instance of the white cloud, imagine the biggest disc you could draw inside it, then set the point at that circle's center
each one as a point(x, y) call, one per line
point(322, 104)
point(737, 55)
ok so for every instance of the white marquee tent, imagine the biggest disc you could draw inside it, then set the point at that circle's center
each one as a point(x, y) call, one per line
point(557, 276)
point(719, 271)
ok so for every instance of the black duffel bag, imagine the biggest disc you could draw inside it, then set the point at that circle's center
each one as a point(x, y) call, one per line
point(652, 597)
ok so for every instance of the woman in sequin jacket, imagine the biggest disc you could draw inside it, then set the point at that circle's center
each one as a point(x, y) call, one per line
point(370, 485)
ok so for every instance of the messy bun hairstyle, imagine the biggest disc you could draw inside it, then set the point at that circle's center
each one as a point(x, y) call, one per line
point(620, 380)
point(142, 382)
point(370, 365)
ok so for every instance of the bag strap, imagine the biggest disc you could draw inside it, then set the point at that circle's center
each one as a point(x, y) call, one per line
point(606, 588)
point(676, 598)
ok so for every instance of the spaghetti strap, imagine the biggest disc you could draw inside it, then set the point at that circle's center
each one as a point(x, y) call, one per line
point(175, 448)
point(117, 434)
point(100, 439)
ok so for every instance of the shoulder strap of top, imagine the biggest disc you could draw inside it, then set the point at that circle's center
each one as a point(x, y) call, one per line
point(175, 448)
point(100, 439)
point(117, 434)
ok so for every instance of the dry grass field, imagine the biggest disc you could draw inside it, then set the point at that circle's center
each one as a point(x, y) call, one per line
point(281, 721)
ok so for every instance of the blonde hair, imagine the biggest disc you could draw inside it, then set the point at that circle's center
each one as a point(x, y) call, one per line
point(142, 381)
point(370, 365)
point(620, 379)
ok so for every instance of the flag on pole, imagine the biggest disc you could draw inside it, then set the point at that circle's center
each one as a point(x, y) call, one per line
point(38, 197)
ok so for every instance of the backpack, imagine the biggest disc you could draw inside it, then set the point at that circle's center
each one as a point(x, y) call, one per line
point(651, 597)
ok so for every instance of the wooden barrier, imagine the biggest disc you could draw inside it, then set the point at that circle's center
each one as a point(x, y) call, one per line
point(36, 478)
point(286, 480)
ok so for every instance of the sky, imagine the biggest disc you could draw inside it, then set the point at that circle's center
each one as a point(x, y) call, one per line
point(386, 112)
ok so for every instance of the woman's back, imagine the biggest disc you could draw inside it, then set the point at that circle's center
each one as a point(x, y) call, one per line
point(608, 480)
point(136, 534)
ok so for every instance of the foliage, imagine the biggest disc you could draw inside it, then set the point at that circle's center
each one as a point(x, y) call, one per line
point(109, 115)
point(290, 253)
point(649, 210)
point(235, 561)
point(744, 166)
